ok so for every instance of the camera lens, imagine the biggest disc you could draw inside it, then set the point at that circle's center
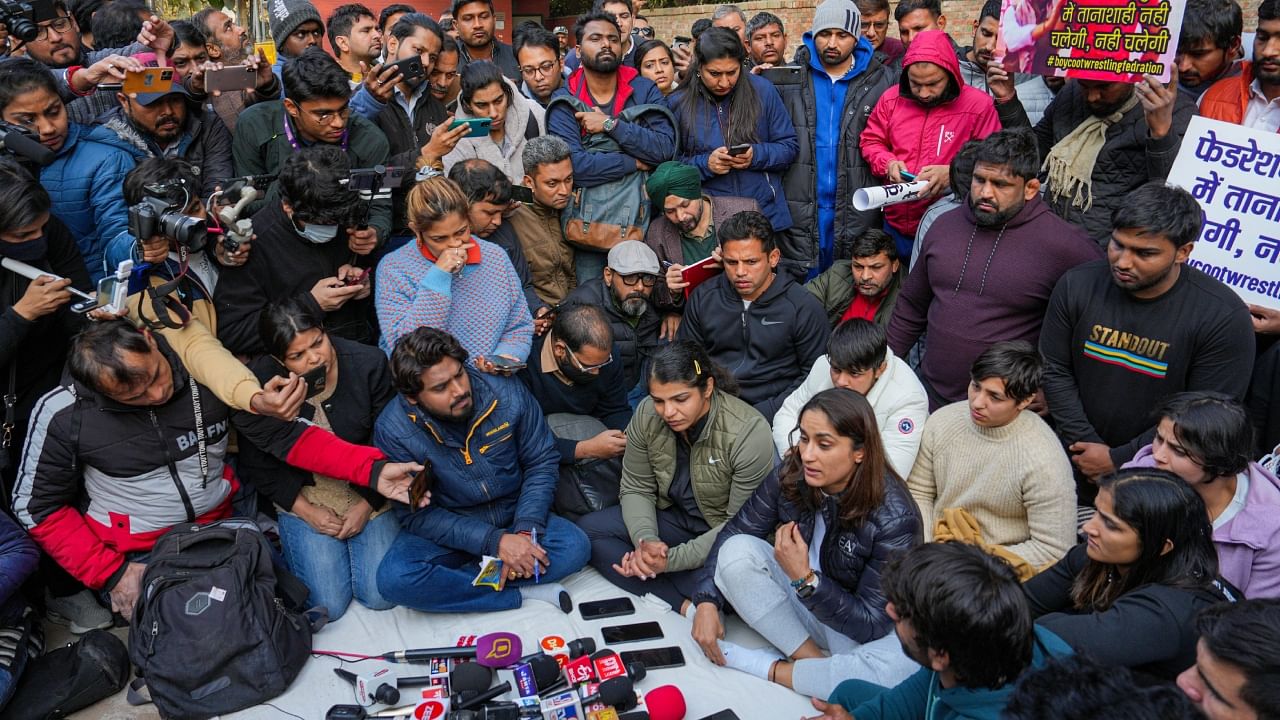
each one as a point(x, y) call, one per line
point(19, 26)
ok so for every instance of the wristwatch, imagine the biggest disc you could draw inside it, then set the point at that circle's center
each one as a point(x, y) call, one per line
point(808, 586)
point(610, 124)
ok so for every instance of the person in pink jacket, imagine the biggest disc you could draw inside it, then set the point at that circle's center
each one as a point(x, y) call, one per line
point(918, 126)
point(1206, 439)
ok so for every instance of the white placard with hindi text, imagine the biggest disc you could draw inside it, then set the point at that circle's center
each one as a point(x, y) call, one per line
point(1233, 172)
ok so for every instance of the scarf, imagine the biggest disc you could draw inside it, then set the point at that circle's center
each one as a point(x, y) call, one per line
point(1070, 162)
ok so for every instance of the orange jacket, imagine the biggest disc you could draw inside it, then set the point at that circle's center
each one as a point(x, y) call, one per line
point(1228, 99)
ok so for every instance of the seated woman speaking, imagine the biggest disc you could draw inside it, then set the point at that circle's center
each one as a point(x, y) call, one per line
point(838, 512)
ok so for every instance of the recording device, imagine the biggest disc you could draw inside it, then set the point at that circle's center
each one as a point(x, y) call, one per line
point(157, 214)
point(371, 691)
point(576, 648)
point(608, 664)
point(411, 69)
point(655, 658)
point(784, 74)
point(618, 692)
point(601, 609)
point(147, 80)
point(23, 144)
point(355, 278)
point(19, 17)
point(740, 149)
point(421, 485)
point(375, 183)
point(522, 193)
point(235, 230)
point(466, 701)
point(479, 126)
point(468, 679)
point(683, 40)
point(230, 79)
point(355, 712)
point(636, 632)
point(491, 711)
point(504, 363)
point(494, 650)
point(315, 380)
point(112, 289)
point(665, 702)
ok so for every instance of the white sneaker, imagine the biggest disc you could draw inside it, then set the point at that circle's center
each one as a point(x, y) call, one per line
point(80, 612)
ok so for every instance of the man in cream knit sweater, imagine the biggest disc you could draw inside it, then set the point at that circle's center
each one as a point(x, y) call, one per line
point(999, 461)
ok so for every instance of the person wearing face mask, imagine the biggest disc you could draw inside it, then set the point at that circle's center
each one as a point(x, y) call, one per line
point(1015, 248)
point(450, 279)
point(575, 375)
point(298, 250)
point(333, 534)
point(693, 455)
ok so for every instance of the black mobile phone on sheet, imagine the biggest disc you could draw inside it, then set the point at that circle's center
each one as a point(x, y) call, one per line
point(601, 609)
point(655, 658)
point(636, 632)
point(722, 715)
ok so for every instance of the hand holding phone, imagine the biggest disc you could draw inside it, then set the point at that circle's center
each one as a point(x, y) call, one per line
point(740, 149)
point(148, 80)
point(230, 79)
point(315, 378)
point(411, 69)
point(479, 126)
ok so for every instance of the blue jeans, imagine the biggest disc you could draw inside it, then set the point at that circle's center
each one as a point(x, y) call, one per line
point(335, 570)
point(420, 574)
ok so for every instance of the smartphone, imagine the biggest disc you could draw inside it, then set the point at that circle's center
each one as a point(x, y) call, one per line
point(741, 149)
point(355, 278)
point(655, 658)
point(909, 177)
point(479, 126)
point(618, 634)
point(682, 40)
point(315, 380)
point(784, 74)
point(230, 79)
point(522, 193)
point(148, 80)
point(411, 69)
point(421, 485)
point(506, 363)
point(267, 50)
point(601, 609)
point(722, 715)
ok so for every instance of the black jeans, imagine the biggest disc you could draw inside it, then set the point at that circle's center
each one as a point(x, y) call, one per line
point(610, 541)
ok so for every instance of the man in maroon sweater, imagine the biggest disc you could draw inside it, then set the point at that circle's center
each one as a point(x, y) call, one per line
point(987, 269)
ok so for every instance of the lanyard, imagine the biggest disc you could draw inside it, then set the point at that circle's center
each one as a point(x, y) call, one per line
point(201, 442)
point(293, 140)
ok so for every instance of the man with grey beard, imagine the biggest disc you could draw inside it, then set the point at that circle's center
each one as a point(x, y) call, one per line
point(624, 292)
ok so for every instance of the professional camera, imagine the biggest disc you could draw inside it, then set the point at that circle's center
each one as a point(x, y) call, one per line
point(19, 17)
point(159, 216)
point(24, 145)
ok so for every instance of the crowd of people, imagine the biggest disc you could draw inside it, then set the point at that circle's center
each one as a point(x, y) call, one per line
point(999, 449)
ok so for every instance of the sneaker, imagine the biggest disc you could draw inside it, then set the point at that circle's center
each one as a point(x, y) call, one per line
point(80, 612)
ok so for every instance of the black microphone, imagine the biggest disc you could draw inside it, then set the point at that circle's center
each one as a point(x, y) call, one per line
point(425, 654)
point(384, 693)
point(546, 672)
point(492, 711)
point(577, 648)
point(613, 692)
point(460, 701)
point(469, 679)
point(15, 140)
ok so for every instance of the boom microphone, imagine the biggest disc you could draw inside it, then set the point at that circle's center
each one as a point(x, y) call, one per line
point(665, 702)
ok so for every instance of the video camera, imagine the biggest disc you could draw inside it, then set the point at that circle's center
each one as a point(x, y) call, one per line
point(375, 183)
point(161, 213)
point(23, 144)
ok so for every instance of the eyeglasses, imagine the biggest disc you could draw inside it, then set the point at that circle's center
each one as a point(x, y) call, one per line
point(586, 368)
point(326, 117)
point(633, 278)
point(545, 68)
point(882, 25)
point(56, 26)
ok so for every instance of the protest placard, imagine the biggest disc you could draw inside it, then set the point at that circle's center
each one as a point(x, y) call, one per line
point(1112, 40)
point(1232, 171)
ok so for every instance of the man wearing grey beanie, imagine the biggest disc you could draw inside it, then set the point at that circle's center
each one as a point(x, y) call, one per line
point(840, 81)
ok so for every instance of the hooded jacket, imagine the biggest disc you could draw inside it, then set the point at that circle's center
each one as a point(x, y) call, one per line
point(1249, 543)
point(829, 163)
point(922, 696)
point(769, 347)
point(86, 184)
point(974, 286)
point(205, 143)
point(495, 472)
point(900, 128)
point(525, 120)
point(99, 479)
point(651, 139)
point(849, 598)
point(772, 152)
point(1034, 95)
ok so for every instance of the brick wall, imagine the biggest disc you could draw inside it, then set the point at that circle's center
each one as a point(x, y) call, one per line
point(798, 14)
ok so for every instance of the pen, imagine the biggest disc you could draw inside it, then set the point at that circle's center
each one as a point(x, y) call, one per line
point(537, 573)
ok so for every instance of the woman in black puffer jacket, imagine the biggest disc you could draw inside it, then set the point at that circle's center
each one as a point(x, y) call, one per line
point(838, 512)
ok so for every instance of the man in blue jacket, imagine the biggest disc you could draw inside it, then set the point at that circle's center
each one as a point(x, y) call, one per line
point(493, 467)
point(962, 615)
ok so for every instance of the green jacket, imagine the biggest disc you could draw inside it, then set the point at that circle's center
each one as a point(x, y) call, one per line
point(834, 289)
point(260, 147)
point(729, 459)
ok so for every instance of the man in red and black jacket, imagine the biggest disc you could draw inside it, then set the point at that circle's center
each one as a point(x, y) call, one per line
point(132, 446)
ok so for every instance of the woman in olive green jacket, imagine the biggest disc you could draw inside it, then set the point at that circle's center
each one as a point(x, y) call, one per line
point(695, 453)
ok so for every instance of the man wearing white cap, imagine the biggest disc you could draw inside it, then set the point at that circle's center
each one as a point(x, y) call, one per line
point(624, 291)
point(841, 82)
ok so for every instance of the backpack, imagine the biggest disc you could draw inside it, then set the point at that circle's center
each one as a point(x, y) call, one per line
point(210, 634)
point(70, 678)
point(597, 218)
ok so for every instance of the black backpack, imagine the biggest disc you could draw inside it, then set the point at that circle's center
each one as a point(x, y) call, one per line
point(210, 633)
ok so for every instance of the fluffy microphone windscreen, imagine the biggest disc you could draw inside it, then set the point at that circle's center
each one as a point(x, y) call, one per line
point(665, 702)
point(546, 671)
point(617, 691)
point(499, 649)
point(469, 676)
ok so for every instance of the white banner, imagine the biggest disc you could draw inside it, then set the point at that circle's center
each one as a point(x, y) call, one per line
point(877, 196)
point(1232, 171)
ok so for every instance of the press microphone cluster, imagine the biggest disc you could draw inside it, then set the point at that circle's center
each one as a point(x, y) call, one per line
point(496, 650)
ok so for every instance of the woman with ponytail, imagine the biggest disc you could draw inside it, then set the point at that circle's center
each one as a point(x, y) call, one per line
point(695, 453)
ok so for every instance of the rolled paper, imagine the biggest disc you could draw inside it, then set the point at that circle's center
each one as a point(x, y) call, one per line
point(871, 198)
